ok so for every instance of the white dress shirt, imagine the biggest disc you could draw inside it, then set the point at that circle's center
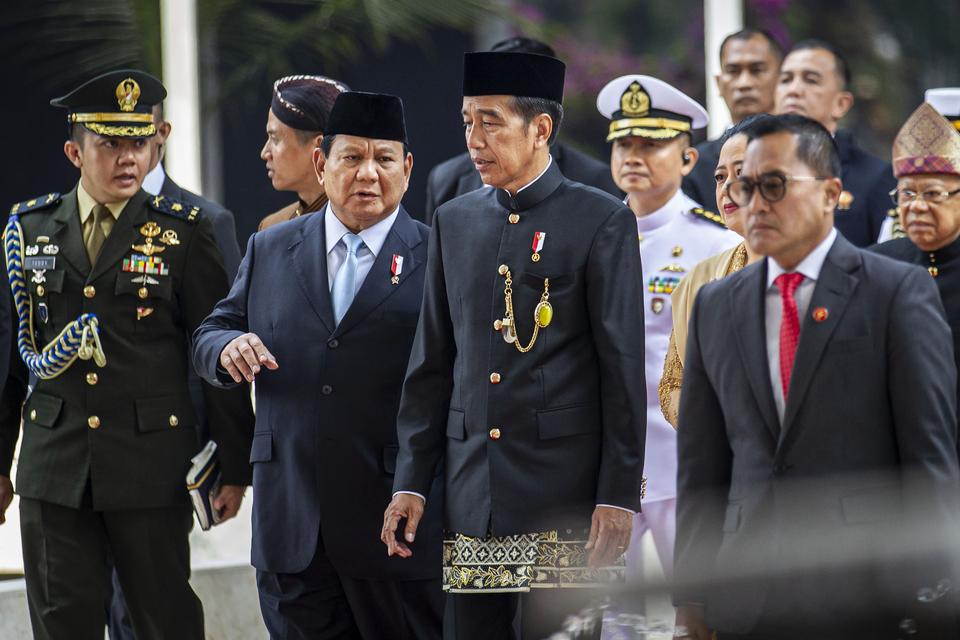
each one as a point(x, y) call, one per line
point(373, 239)
point(153, 182)
point(810, 268)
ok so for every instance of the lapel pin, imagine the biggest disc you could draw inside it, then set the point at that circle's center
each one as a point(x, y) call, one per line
point(396, 268)
point(31, 250)
point(656, 305)
point(820, 314)
point(845, 201)
point(44, 312)
point(538, 238)
point(143, 312)
point(51, 249)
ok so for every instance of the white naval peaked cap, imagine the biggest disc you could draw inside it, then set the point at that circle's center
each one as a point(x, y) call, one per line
point(646, 107)
point(946, 100)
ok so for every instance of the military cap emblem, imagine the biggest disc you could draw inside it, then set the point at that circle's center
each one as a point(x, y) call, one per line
point(128, 92)
point(635, 103)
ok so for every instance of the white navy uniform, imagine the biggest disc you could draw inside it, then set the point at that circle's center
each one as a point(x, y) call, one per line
point(672, 240)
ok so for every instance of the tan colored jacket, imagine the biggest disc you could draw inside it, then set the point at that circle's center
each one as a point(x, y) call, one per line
point(291, 211)
point(719, 266)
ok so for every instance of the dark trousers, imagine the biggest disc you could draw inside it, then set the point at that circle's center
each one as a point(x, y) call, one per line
point(119, 626)
point(320, 604)
point(492, 616)
point(67, 553)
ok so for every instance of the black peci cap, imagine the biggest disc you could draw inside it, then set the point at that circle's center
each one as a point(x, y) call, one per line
point(368, 115)
point(117, 104)
point(529, 75)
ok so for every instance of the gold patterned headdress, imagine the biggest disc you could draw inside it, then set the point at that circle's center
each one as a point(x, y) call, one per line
point(926, 143)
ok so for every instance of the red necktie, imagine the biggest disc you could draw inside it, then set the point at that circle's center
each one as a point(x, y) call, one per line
point(789, 326)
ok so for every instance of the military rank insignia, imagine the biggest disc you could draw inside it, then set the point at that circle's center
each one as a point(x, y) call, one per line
point(396, 268)
point(146, 264)
point(538, 239)
point(662, 284)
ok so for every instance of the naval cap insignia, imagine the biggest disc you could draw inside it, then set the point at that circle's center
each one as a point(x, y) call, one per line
point(634, 102)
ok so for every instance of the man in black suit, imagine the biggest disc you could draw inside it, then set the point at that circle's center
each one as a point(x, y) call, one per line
point(814, 81)
point(817, 415)
point(158, 182)
point(328, 352)
point(526, 375)
point(749, 67)
point(457, 176)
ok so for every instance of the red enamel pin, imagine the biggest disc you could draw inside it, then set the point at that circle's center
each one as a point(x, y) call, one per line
point(820, 314)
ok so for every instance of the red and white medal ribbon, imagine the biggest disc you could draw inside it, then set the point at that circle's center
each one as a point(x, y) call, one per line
point(396, 268)
point(538, 239)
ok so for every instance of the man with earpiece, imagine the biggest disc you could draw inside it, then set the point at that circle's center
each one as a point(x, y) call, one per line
point(651, 152)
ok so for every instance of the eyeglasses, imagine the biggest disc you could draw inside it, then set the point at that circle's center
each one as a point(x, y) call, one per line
point(772, 186)
point(903, 197)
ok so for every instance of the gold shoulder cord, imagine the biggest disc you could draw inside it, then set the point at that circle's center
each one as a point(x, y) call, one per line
point(542, 314)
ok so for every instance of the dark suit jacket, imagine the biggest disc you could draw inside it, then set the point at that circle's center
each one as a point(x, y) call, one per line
point(225, 233)
point(224, 226)
point(699, 184)
point(870, 180)
point(571, 411)
point(325, 444)
point(457, 176)
point(868, 440)
point(137, 453)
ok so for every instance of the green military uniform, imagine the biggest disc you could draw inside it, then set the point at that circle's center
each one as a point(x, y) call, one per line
point(107, 445)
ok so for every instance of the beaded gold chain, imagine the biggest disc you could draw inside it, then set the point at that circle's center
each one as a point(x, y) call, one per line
point(542, 314)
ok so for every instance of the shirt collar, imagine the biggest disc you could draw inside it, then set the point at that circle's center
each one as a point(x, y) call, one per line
point(86, 203)
point(154, 180)
point(810, 266)
point(673, 207)
point(373, 237)
point(540, 175)
point(533, 193)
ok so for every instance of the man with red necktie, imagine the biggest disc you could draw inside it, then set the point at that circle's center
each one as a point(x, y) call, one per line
point(816, 417)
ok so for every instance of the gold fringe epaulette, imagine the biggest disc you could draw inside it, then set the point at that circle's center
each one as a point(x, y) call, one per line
point(35, 204)
point(171, 207)
point(897, 230)
point(709, 216)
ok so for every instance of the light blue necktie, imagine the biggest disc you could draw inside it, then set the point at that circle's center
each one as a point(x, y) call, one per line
point(345, 282)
